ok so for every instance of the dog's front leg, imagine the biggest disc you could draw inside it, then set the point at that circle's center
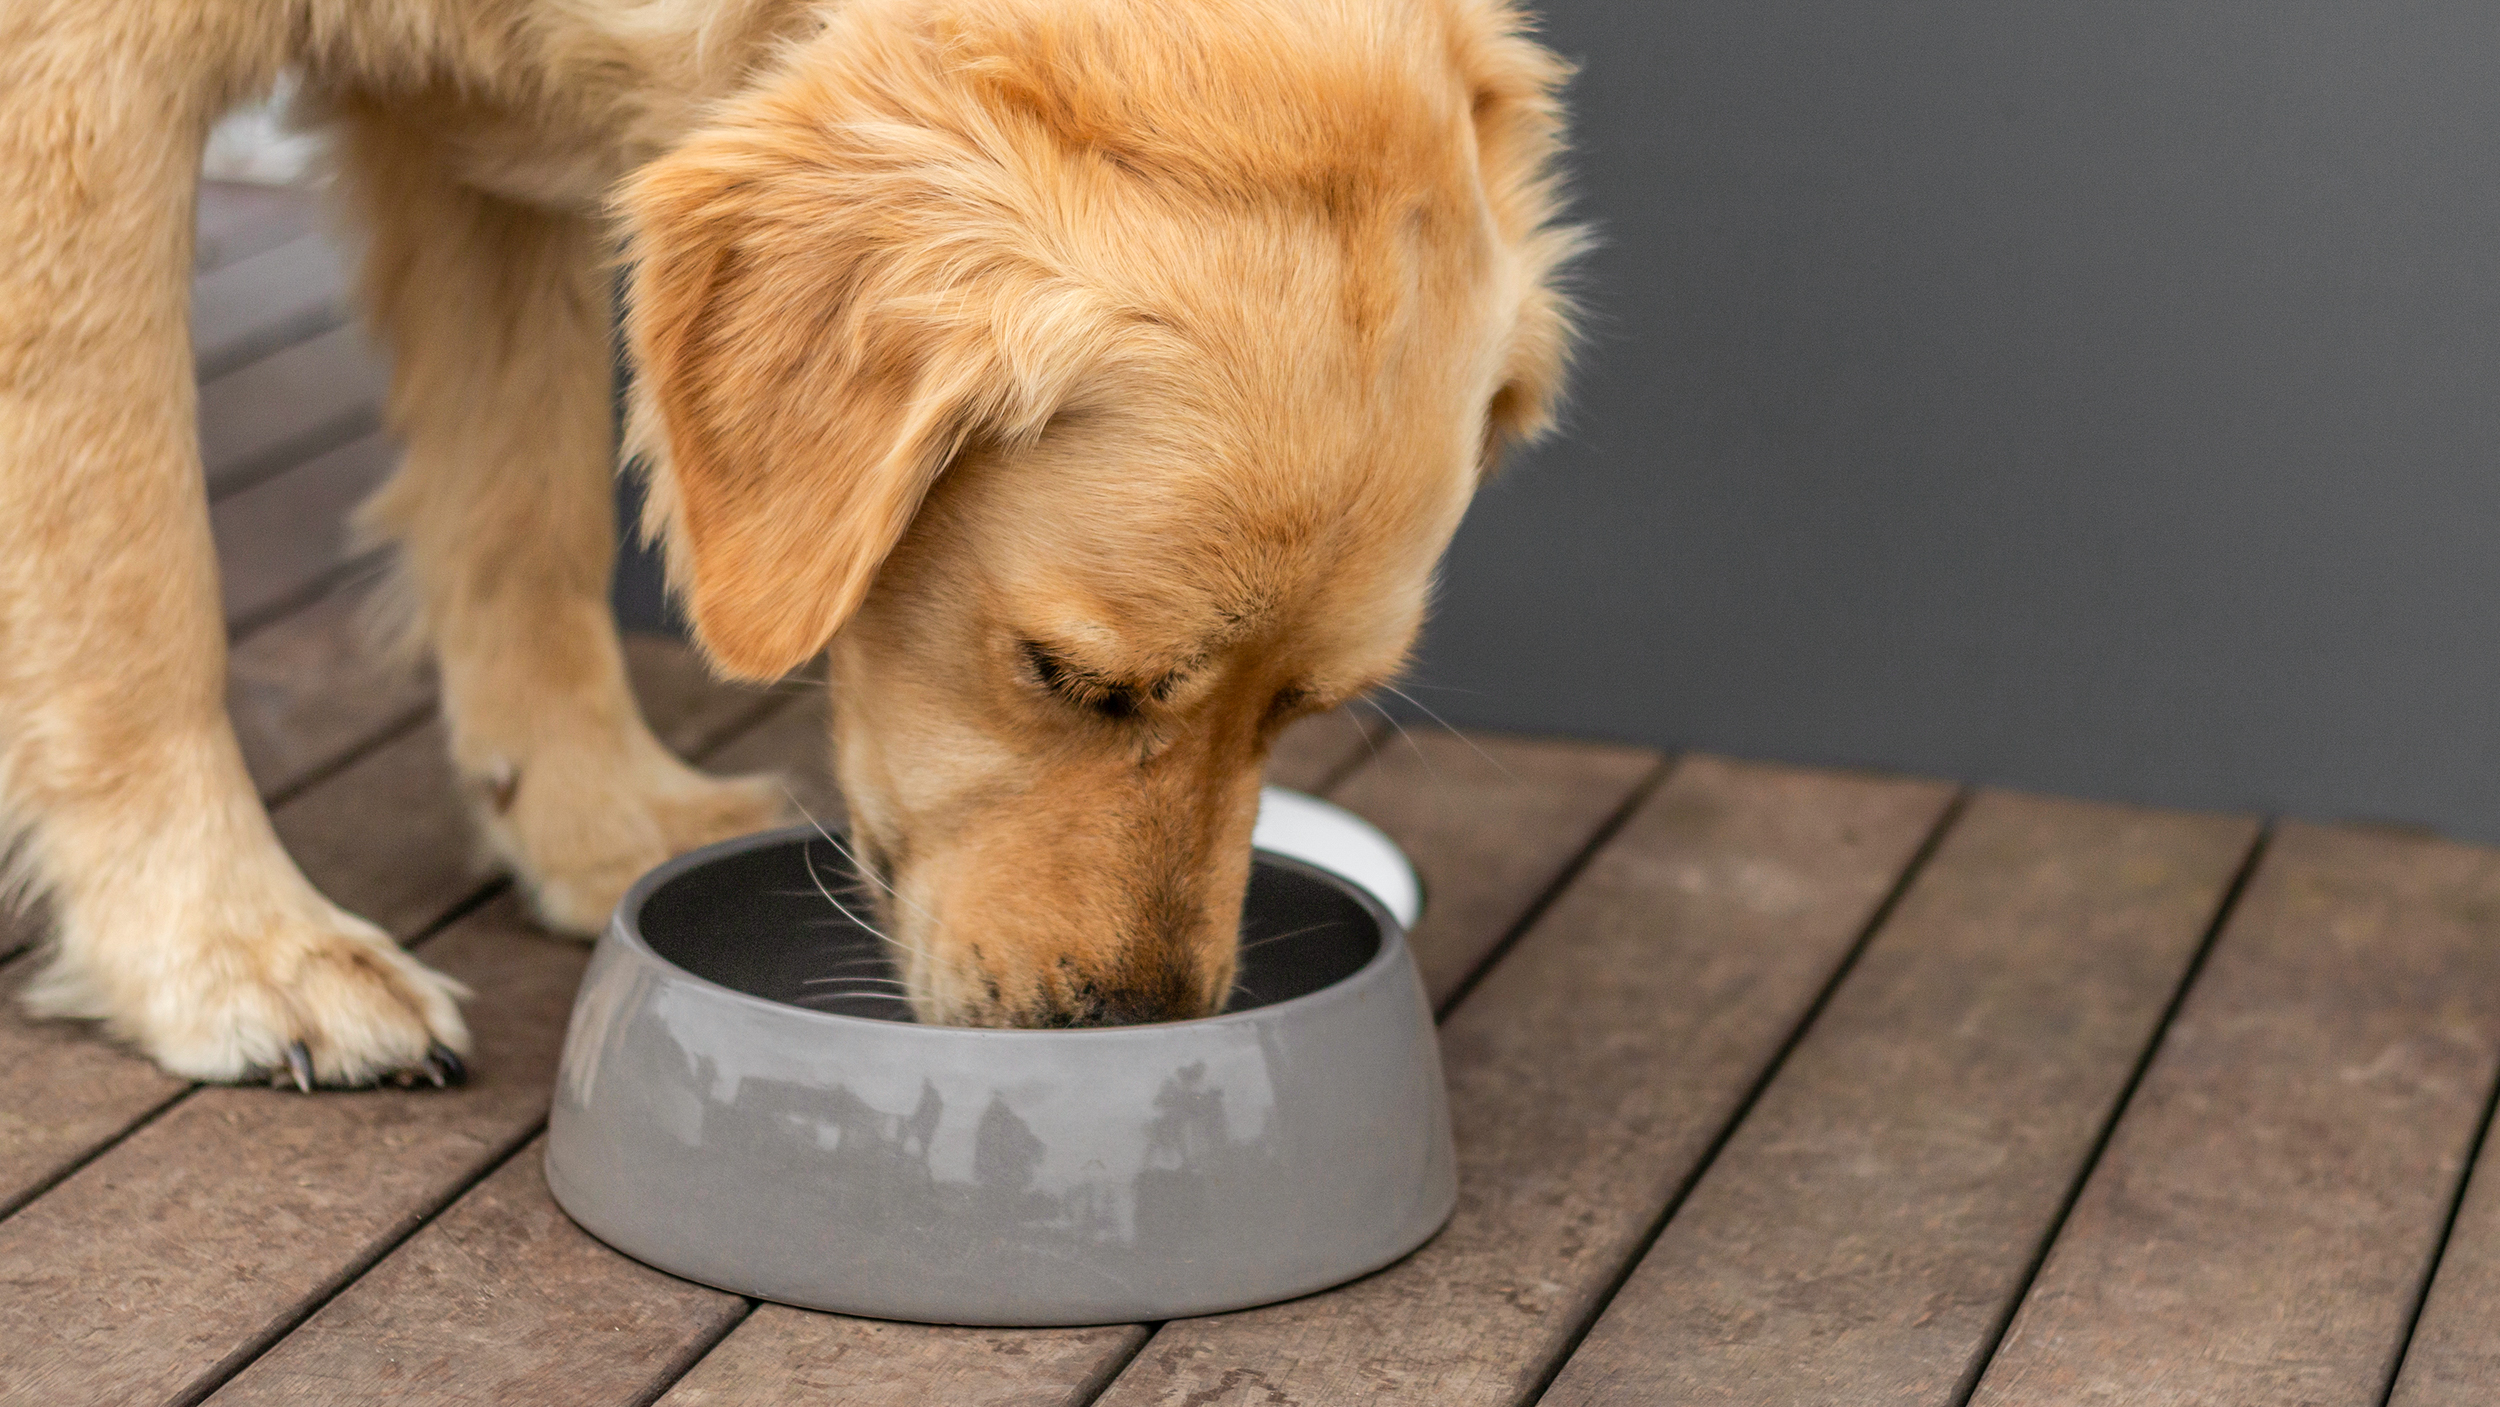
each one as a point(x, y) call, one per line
point(498, 316)
point(179, 920)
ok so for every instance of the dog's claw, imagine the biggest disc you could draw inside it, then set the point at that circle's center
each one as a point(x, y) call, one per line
point(299, 1065)
point(443, 1065)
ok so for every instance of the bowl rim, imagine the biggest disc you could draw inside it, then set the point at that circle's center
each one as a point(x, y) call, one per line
point(624, 928)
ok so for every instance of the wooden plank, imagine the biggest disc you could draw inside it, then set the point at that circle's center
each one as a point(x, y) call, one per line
point(68, 1093)
point(1865, 1230)
point(309, 691)
point(2454, 1357)
point(2268, 1204)
point(1590, 1071)
point(796, 744)
point(876, 1363)
point(388, 837)
point(278, 539)
point(236, 221)
point(466, 1310)
point(783, 1355)
point(1435, 794)
point(261, 418)
point(385, 837)
point(690, 709)
point(269, 1204)
point(1319, 751)
point(252, 307)
point(160, 1267)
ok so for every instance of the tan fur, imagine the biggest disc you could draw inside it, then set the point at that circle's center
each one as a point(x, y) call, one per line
point(1100, 379)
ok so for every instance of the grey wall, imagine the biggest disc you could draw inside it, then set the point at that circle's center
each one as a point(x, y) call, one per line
point(2089, 397)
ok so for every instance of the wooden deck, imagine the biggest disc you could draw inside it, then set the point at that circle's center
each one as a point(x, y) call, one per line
point(1772, 1085)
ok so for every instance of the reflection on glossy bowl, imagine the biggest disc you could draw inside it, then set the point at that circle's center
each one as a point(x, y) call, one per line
point(736, 1107)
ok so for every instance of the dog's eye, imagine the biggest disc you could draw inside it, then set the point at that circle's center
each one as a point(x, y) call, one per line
point(1046, 667)
point(1086, 690)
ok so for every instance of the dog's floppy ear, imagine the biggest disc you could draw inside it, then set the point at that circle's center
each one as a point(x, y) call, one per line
point(815, 340)
point(1515, 96)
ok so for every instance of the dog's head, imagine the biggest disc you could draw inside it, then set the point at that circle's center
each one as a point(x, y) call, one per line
point(1103, 382)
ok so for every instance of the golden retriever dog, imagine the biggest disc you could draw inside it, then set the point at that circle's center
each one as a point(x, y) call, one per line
point(1098, 381)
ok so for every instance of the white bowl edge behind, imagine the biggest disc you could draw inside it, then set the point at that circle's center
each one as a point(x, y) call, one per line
point(1327, 835)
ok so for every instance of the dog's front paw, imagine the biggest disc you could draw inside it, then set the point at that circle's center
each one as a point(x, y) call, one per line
point(576, 838)
point(318, 998)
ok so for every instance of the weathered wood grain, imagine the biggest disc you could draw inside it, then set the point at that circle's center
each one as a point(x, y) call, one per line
point(254, 306)
point(235, 221)
point(388, 837)
point(2454, 1358)
point(480, 1306)
point(1316, 752)
point(262, 417)
point(309, 691)
point(172, 1258)
point(1589, 1072)
point(795, 744)
point(278, 538)
point(782, 1355)
point(690, 709)
point(1433, 793)
point(68, 1092)
point(1867, 1227)
point(2266, 1208)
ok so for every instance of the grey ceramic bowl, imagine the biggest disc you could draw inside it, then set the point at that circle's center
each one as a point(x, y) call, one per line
point(727, 1116)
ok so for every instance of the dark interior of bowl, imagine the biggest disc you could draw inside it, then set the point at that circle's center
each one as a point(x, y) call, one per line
point(783, 921)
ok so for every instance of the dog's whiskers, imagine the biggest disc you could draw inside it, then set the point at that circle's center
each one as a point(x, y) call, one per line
point(1425, 758)
point(818, 998)
point(858, 870)
point(1507, 774)
point(862, 872)
point(866, 872)
point(835, 971)
point(1281, 937)
point(838, 906)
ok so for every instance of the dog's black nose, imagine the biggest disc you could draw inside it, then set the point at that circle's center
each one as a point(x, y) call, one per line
point(1131, 998)
point(1138, 1009)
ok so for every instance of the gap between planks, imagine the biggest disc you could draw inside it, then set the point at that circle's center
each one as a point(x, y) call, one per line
point(1876, 1212)
point(2451, 1355)
point(2261, 1222)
